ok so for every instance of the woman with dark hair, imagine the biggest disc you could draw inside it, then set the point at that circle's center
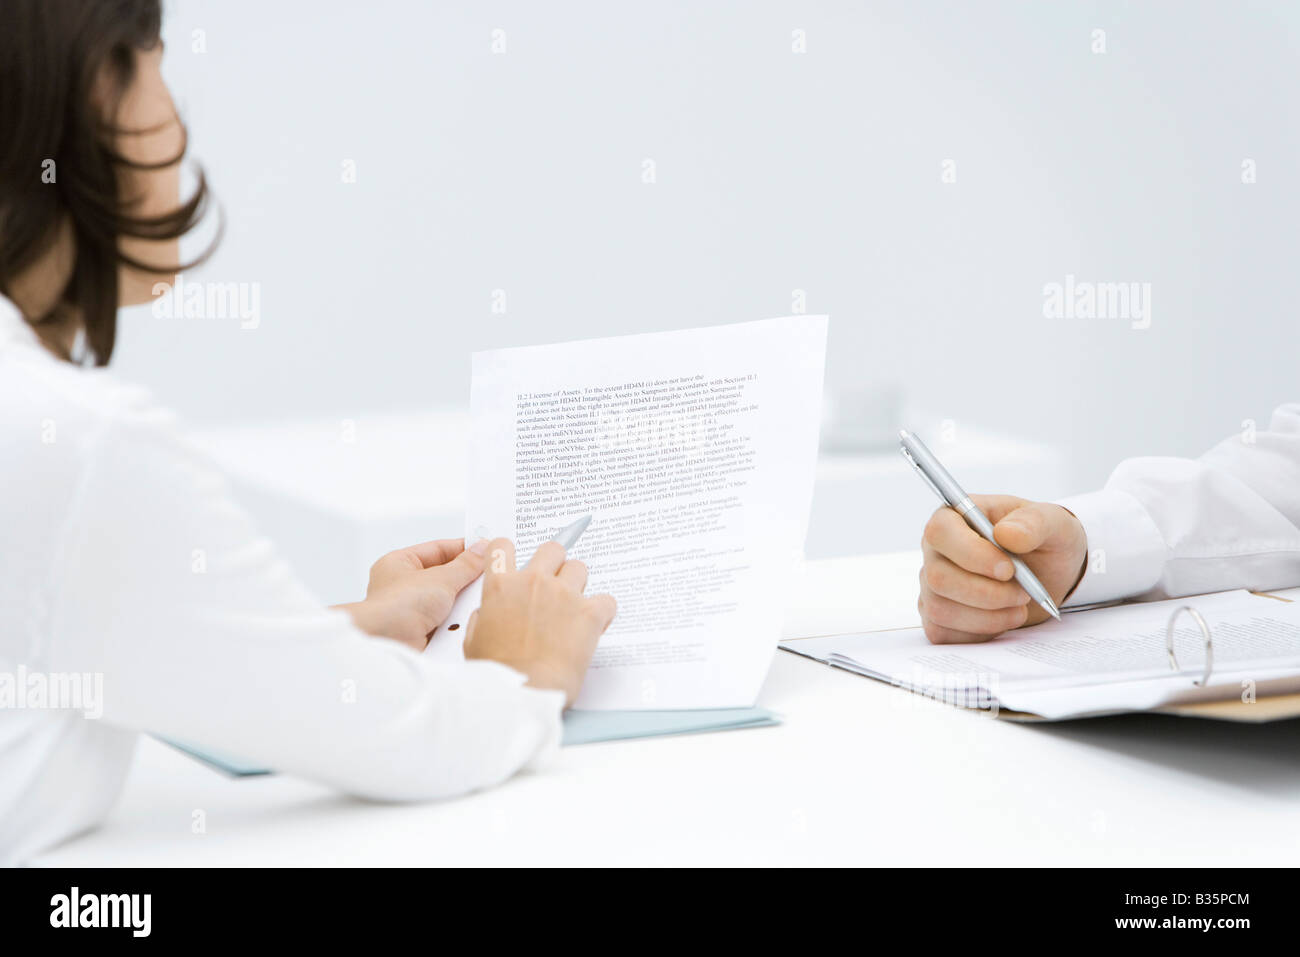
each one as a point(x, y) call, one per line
point(108, 625)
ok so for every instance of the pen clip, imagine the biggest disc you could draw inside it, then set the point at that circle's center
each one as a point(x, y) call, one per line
point(921, 472)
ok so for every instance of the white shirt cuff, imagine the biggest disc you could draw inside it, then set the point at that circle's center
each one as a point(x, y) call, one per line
point(1126, 552)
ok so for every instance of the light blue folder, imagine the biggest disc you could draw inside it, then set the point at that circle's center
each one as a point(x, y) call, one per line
point(226, 763)
point(586, 727)
point(580, 727)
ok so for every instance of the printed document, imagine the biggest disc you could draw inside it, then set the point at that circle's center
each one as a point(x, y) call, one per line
point(695, 453)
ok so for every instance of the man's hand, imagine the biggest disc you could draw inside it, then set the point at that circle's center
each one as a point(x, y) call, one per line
point(536, 620)
point(412, 589)
point(967, 589)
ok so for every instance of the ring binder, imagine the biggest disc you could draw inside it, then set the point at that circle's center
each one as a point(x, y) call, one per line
point(1209, 642)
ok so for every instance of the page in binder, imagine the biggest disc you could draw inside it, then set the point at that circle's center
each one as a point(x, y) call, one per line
point(695, 453)
point(1109, 659)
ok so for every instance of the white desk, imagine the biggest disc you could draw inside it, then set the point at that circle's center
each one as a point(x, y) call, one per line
point(860, 773)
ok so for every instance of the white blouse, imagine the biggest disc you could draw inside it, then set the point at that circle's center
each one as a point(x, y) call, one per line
point(1164, 527)
point(125, 565)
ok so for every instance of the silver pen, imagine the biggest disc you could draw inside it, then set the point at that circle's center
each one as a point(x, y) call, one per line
point(569, 535)
point(952, 495)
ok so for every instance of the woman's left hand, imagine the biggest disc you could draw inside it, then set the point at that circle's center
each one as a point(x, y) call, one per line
point(412, 589)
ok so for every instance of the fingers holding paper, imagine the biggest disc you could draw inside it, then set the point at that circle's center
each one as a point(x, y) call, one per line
point(411, 591)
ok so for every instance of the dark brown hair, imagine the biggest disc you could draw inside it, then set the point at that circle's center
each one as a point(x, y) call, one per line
point(57, 59)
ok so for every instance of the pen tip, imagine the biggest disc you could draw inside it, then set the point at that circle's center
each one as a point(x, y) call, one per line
point(569, 535)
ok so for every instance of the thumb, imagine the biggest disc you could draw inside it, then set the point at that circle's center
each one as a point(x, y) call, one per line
point(1029, 527)
point(464, 568)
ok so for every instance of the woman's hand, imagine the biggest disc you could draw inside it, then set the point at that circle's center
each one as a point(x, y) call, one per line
point(537, 620)
point(412, 589)
point(967, 591)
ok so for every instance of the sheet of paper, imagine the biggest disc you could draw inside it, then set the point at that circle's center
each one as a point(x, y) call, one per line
point(1110, 659)
point(695, 451)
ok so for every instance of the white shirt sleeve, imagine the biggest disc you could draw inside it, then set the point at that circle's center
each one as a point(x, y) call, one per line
point(203, 635)
point(1165, 527)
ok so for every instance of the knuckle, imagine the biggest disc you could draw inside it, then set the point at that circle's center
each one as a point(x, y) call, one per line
point(938, 613)
point(988, 594)
point(600, 609)
point(934, 576)
point(934, 633)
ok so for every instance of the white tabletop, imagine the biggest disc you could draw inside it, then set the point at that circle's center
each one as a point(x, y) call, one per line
point(859, 773)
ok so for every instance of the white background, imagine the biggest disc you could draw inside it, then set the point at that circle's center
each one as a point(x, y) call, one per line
point(776, 171)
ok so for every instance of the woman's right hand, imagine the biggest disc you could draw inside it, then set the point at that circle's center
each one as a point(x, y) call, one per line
point(536, 619)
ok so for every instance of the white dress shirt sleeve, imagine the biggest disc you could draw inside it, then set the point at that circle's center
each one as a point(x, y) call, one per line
point(1166, 527)
point(204, 636)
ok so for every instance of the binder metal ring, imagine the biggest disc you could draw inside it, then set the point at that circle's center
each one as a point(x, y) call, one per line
point(1209, 642)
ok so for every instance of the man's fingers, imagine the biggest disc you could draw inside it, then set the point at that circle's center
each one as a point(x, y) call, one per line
point(500, 556)
point(939, 635)
point(948, 534)
point(574, 574)
point(954, 616)
point(1028, 527)
point(997, 507)
point(548, 558)
point(944, 578)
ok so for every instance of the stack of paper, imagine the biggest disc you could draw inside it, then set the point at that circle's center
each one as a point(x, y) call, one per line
point(1104, 661)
